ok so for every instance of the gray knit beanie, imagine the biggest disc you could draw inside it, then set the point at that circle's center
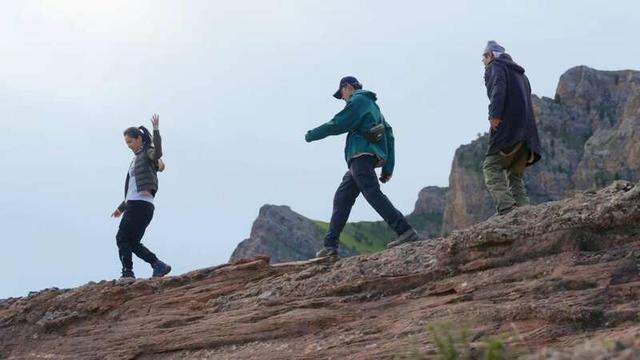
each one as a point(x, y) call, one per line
point(494, 47)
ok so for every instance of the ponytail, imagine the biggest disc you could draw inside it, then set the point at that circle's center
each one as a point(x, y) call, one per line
point(147, 138)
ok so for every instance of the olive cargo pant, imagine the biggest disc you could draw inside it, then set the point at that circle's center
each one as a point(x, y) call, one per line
point(504, 177)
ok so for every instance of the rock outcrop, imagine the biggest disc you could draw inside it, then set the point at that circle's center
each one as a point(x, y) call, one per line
point(431, 201)
point(429, 211)
point(590, 133)
point(284, 235)
point(552, 275)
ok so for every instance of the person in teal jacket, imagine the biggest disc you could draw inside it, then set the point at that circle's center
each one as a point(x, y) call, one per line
point(369, 145)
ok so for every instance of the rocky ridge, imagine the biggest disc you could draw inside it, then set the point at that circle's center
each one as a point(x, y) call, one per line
point(552, 275)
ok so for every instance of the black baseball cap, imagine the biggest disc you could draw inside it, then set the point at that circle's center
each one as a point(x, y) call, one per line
point(344, 81)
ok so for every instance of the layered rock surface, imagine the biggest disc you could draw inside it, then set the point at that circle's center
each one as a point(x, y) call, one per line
point(552, 275)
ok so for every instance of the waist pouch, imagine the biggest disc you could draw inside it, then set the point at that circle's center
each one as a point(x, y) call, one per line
point(375, 134)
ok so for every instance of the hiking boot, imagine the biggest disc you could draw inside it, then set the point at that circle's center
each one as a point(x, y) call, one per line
point(127, 274)
point(506, 211)
point(408, 236)
point(160, 269)
point(327, 251)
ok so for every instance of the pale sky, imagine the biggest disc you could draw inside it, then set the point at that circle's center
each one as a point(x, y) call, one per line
point(237, 85)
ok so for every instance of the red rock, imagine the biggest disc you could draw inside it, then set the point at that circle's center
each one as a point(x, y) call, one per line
point(552, 275)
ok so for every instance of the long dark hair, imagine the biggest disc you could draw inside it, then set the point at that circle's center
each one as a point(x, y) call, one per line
point(140, 131)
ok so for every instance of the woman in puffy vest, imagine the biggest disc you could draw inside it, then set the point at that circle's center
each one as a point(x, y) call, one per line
point(140, 189)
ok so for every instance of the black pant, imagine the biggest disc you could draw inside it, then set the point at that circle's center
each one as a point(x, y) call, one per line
point(134, 222)
point(362, 178)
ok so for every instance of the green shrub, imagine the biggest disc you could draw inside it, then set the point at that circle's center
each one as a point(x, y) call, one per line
point(450, 344)
point(455, 344)
point(495, 349)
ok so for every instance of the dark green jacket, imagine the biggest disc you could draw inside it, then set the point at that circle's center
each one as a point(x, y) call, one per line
point(359, 115)
point(145, 170)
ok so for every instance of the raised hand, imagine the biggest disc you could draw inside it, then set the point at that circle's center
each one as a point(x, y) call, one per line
point(155, 121)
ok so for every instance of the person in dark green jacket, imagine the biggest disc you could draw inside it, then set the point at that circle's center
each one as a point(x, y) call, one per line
point(370, 144)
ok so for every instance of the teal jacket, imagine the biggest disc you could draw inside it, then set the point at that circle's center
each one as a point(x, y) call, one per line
point(359, 115)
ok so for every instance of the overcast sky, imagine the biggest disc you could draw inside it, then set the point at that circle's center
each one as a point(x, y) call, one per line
point(237, 85)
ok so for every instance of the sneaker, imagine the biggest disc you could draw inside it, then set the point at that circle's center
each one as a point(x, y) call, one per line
point(327, 251)
point(160, 269)
point(407, 236)
point(127, 274)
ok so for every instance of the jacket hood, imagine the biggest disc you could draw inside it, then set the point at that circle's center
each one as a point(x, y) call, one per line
point(370, 94)
point(508, 61)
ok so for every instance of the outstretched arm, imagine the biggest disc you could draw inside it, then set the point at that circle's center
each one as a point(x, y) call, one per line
point(342, 122)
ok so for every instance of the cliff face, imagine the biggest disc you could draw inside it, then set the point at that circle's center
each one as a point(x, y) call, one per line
point(610, 102)
point(555, 274)
point(467, 201)
point(589, 133)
